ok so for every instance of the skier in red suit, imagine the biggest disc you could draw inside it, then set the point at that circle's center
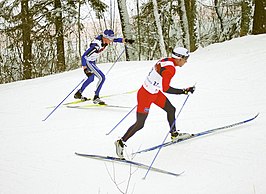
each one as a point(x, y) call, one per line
point(158, 81)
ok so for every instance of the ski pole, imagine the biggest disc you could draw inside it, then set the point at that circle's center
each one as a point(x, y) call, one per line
point(62, 101)
point(121, 120)
point(115, 61)
point(78, 85)
point(165, 138)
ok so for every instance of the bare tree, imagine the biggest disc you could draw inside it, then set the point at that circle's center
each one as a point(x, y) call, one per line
point(219, 14)
point(126, 26)
point(190, 7)
point(246, 17)
point(99, 8)
point(159, 28)
point(61, 66)
point(183, 23)
point(138, 26)
point(26, 25)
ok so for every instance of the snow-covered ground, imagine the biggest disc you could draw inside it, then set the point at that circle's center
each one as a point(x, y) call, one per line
point(38, 156)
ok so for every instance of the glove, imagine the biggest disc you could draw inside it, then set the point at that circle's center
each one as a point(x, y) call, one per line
point(87, 72)
point(190, 89)
point(130, 41)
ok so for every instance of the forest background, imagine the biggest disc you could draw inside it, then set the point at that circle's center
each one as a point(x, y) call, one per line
point(43, 37)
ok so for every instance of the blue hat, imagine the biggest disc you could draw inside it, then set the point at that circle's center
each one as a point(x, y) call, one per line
point(109, 34)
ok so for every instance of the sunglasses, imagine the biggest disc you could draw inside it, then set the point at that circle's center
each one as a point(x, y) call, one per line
point(184, 57)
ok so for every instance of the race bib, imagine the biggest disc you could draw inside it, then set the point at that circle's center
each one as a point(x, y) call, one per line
point(153, 82)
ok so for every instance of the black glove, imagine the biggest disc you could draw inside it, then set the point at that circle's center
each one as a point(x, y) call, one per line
point(130, 41)
point(190, 89)
point(87, 72)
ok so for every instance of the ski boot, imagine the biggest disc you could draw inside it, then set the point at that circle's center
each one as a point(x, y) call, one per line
point(97, 100)
point(119, 145)
point(78, 95)
point(175, 136)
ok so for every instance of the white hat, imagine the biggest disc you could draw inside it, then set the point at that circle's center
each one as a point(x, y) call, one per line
point(180, 52)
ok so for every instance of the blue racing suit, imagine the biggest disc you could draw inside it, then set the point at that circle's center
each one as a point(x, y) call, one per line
point(89, 58)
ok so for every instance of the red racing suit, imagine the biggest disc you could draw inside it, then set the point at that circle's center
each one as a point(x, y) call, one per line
point(157, 80)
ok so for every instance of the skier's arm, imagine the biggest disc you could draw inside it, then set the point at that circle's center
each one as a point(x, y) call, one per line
point(167, 76)
point(172, 90)
point(124, 40)
point(120, 40)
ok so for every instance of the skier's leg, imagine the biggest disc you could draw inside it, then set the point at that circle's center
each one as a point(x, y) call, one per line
point(99, 74)
point(139, 124)
point(163, 102)
point(86, 83)
point(170, 109)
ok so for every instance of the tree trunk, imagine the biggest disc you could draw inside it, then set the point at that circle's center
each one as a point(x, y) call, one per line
point(79, 29)
point(60, 63)
point(183, 24)
point(169, 48)
point(159, 28)
point(259, 22)
point(126, 27)
point(217, 4)
point(139, 39)
point(246, 17)
point(192, 23)
point(26, 32)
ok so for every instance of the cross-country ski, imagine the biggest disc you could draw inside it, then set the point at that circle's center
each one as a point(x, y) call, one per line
point(79, 101)
point(127, 162)
point(86, 106)
point(198, 134)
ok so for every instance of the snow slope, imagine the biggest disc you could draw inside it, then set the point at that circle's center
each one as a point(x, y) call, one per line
point(38, 157)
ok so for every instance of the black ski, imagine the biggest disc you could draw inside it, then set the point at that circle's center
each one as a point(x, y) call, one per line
point(198, 135)
point(127, 162)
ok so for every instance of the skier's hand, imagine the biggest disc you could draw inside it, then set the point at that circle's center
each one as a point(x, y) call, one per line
point(130, 41)
point(189, 90)
point(87, 72)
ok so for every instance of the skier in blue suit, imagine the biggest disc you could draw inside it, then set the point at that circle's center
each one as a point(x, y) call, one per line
point(88, 61)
